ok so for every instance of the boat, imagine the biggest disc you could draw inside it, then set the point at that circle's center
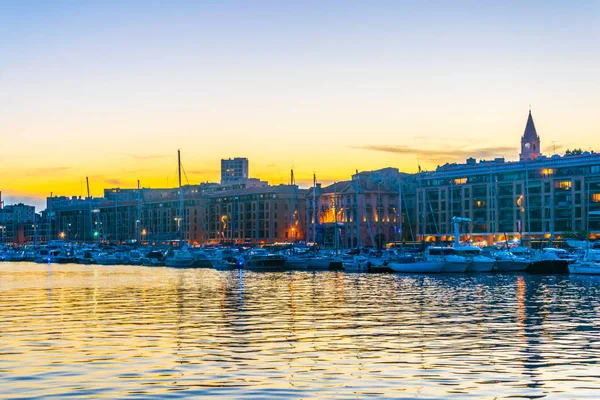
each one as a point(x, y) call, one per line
point(325, 262)
point(260, 259)
point(508, 262)
point(551, 261)
point(85, 256)
point(108, 259)
point(452, 262)
point(477, 261)
point(295, 262)
point(135, 257)
point(585, 267)
point(181, 259)
point(409, 264)
point(154, 258)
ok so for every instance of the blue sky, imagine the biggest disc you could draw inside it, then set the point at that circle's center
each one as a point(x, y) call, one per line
point(112, 89)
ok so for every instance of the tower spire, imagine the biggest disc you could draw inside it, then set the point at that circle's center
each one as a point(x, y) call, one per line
point(530, 141)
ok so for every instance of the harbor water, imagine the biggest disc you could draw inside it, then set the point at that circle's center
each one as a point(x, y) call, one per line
point(139, 332)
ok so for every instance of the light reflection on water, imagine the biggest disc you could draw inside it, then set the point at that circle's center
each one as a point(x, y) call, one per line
point(135, 332)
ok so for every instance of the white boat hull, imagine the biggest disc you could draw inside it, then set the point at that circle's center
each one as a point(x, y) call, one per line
point(585, 268)
point(417, 267)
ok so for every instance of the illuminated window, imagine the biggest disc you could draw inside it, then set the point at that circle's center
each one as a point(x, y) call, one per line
point(596, 197)
point(565, 185)
point(547, 171)
point(460, 181)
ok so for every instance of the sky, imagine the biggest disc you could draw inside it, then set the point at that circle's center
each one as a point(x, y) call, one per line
point(111, 89)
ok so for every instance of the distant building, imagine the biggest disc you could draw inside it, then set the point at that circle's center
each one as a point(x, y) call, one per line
point(17, 224)
point(234, 170)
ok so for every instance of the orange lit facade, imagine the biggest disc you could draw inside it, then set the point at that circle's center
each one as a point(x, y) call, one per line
point(372, 209)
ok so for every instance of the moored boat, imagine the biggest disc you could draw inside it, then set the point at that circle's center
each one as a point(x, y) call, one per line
point(260, 259)
point(409, 264)
point(477, 261)
point(585, 268)
point(451, 262)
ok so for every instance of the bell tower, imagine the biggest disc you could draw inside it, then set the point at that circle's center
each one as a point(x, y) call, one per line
point(530, 142)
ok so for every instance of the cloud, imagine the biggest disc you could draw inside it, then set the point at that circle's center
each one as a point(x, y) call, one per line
point(443, 155)
point(115, 182)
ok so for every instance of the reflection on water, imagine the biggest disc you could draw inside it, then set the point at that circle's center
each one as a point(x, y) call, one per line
point(119, 332)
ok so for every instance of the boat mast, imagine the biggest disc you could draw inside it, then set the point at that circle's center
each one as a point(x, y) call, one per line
point(399, 232)
point(180, 196)
point(335, 232)
point(139, 215)
point(314, 210)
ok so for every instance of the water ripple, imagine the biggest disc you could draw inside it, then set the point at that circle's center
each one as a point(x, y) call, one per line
point(136, 332)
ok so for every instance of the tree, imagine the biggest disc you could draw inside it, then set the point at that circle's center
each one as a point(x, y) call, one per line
point(574, 152)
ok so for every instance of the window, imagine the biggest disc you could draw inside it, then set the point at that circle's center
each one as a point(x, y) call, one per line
point(595, 197)
point(460, 181)
point(564, 185)
point(547, 172)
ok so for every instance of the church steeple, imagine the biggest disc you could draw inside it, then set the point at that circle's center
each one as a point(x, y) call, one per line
point(530, 141)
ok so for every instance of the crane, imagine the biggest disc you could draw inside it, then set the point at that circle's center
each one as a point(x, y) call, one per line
point(457, 221)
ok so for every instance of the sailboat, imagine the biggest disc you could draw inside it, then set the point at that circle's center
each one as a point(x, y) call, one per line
point(477, 261)
point(181, 258)
point(589, 265)
point(326, 261)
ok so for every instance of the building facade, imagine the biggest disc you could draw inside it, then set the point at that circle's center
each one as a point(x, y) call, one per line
point(18, 224)
point(256, 215)
point(373, 208)
point(234, 170)
point(537, 198)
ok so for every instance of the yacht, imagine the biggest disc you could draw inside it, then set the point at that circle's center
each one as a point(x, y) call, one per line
point(107, 259)
point(135, 257)
point(508, 262)
point(260, 259)
point(585, 267)
point(181, 259)
point(409, 264)
point(323, 261)
point(296, 262)
point(154, 258)
point(477, 261)
point(452, 261)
